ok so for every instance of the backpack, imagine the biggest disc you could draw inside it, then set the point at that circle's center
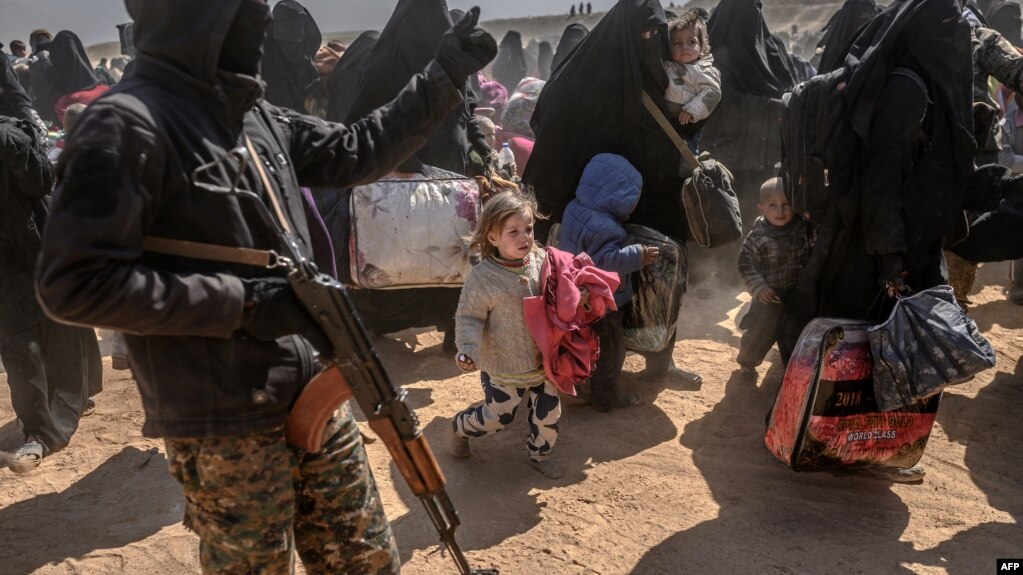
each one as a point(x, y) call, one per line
point(818, 144)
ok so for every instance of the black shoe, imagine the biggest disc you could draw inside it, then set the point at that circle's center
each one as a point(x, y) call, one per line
point(623, 400)
point(1016, 294)
point(673, 373)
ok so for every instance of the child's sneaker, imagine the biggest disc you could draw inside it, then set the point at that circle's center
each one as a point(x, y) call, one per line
point(548, 467)
point(459, 445)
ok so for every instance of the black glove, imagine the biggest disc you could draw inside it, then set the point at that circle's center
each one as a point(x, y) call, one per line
point(272, 311)
point(891, 276)
point(1013, 190)
point(466, 48)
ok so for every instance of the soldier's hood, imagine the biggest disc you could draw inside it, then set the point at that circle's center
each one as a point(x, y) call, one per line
point(188, 34)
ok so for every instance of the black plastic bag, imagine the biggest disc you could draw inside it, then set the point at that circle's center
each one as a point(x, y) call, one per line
point(927, 344)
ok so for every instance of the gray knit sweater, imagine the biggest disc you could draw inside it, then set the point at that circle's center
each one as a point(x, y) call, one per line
point(490, 326)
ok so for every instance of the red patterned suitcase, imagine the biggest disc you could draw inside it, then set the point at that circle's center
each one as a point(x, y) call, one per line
point(825, 415)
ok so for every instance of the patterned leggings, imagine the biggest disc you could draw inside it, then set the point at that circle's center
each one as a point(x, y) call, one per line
point(498, 411)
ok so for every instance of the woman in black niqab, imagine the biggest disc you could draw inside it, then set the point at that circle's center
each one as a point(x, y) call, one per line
point(620, 59)
point(756, 70)
point(544, 57)
point(618, 63)
point(287, 66)
point(841, 30)
point(344, 80)
point(71, 72)
point(910, 186)
point(510, 64)
point(573, 35)
point(750, 58)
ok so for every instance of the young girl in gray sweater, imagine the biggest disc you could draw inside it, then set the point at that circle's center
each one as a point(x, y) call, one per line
point(491, 333)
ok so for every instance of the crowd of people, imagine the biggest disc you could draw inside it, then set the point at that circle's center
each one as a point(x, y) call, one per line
point(98, 161)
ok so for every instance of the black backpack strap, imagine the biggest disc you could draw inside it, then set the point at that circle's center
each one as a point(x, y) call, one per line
point(907, 73)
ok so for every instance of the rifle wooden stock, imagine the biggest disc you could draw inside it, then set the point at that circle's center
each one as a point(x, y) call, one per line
point(314, 407)
point(414, 458)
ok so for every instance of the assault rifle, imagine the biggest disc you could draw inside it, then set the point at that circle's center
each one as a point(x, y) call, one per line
point(354, 370)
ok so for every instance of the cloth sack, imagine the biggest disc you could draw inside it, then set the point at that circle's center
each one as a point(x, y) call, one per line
point(926, 344)
point(560, 326)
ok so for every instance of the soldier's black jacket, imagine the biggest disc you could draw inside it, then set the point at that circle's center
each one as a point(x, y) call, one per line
point(127, 173)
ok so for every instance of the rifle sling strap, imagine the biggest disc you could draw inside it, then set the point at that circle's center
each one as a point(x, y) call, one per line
point(665, 125)
point(211, 252)
point(217, 253)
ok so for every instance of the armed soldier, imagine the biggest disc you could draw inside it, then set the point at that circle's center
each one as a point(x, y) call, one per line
point(220, 351)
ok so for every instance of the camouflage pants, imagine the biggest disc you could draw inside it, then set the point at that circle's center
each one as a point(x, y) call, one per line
point(961, 275)
point(253, 501)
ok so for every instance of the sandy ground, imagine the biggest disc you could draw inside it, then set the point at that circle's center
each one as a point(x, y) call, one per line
point(680, 484)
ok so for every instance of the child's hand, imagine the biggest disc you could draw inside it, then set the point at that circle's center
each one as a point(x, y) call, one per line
point(465, 363)
point(684, 118)
point(651, 254)
point(584, 299)
point(768, 295)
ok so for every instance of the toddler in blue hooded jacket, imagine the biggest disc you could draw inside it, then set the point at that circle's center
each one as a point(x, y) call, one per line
point(594, 223)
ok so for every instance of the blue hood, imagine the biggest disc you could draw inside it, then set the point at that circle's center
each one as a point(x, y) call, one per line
point(611, 185)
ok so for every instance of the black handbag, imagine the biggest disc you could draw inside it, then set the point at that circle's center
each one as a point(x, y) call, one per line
point(709, 202)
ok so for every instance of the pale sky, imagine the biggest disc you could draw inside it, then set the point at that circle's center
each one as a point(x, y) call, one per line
point(95, 20)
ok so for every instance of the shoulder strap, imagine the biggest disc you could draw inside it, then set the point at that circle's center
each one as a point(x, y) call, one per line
point(212, 252)
point(665, 125)
point(908, 73)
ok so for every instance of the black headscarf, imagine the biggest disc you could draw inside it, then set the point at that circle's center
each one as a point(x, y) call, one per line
point(982, 6)
point(747, 53)
point(406, 45)
point(841, 30)
point(510, 64)
point(544, 57)
point(1004, 17)
point(573, 35)
point(288, 51)
point(344, 80)
point(71, 72)
point(616, 62)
